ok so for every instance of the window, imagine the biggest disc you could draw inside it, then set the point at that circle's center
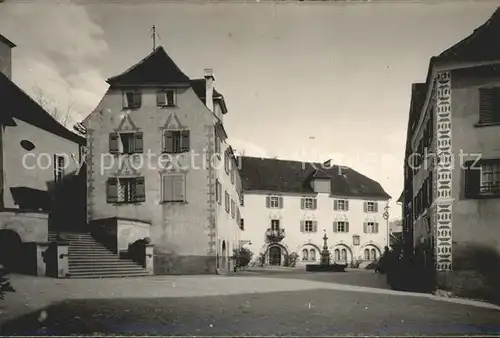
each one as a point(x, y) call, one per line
point(341, 226)
point(59, 166)
point(370, 227)
point(242, 200)
point(232, 175)
point(336, 254)
point(341, 205)
point(166, 98)
point(370, 254)
point(217, 143)
point(173, 188)
point(126, 143)
point(489, 105)
point(274, 202)
point(308, 203)
point(355, 240)
point(125, 190)
point(226, 162)
point(343, 255)
point(482, 179)
point(275, 224)
point(312, 254)
point(373, 254)
point(233, 207)
point(238, 216)
point(132, 100)
point(371, 207)
point(242, 224)
point(176, 141)
point(367, 254)
point(218, 191)
point(308, 226)
point(226, 202)
point(305, 255)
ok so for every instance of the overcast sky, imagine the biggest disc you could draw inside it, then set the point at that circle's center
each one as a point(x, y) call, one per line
point(304, 81)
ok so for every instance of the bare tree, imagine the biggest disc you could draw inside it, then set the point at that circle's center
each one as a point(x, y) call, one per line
point(48, 103)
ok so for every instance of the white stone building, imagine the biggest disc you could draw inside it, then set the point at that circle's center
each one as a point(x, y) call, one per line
point(289, 205)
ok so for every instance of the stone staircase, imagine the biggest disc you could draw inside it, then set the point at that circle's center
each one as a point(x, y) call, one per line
point(90, 259)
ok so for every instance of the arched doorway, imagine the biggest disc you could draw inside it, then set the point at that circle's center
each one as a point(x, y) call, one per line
point(224, 256)
point(275, 255)
point(11, 250)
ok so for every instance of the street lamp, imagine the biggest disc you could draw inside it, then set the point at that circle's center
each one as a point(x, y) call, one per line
point(386, 217)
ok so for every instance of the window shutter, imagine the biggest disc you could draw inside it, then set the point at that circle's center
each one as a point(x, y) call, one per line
point(179, 189)
point(334, 226)
point(302, 226)
point(335, 205)
point(113, 143)
point(268, 201)
point(161, 99)
point(376, 228)
point(315, 226)
point(315, 204)
point(185, 140)
point(139, 143)
point(112, 190)
point(137, 99)
point(302, 203)
point(281, 202)
point(346, 226)
point(168, 141)
point(486, 108)
point(365, 227)
point(140, 189)
point(472, 179)
point(346, 205)
point(375, 206)
point(365, 206)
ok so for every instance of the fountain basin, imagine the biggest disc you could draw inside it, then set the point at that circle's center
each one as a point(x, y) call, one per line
point(326, 268)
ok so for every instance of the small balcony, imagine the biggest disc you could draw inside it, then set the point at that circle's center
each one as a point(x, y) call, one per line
point(275, 235)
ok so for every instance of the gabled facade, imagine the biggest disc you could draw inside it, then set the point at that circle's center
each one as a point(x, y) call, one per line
point(452, 195)
point(155, 157)
point(40, 179)
point(288, 206)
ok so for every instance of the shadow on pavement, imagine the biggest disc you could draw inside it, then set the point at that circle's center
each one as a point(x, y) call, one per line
point(303, 313)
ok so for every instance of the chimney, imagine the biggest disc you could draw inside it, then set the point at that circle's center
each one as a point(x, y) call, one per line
point(209, 88)
point(6, 56)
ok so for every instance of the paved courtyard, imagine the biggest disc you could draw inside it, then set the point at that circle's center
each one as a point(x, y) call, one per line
point(248, 304)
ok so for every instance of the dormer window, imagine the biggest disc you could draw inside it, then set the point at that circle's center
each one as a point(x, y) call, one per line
point(132, 99)
point(166, 98)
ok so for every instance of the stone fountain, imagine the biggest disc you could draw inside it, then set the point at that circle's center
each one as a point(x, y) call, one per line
point(325, 265)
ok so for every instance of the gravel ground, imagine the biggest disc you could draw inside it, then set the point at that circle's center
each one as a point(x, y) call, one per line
point(304, 312)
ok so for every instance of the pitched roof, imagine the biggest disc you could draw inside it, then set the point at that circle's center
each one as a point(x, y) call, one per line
point(7, 41)
point(155, 69)
point(481, 45)
point(14, 102)
point(286, 176)
point(401, 198)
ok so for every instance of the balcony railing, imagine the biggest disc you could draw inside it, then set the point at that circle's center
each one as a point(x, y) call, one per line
point(275, 235)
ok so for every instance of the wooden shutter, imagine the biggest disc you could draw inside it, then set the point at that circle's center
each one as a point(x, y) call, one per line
point(281, 202)
point(315, 226)
point(365, 206)
point(335, 205)
point(365, 227)
point(302, 203)
point(220, 192)
point(335, 227)
point(137, 99)
point(168, 188)
point(472, 179)
point(168, 141)
point(268, 201)
point(140, 189)
point(113, 143)
point(346, 203)
point(302, 226)
point(185, 140)
point(376, 228)
point(161, 99)
point(486, 107)
point(179, 189)
point(112, 190)
point(139, 142)
point(346, 226)
point(315, 204)
point(375, 206)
